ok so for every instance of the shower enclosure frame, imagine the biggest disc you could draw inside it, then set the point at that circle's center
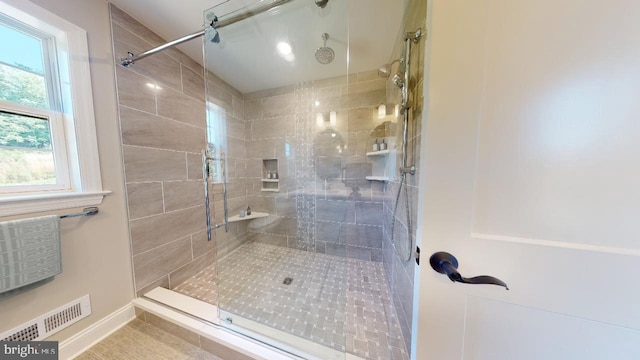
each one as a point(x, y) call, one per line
point(207, 158)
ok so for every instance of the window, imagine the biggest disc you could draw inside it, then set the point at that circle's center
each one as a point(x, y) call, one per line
point(30, 119)
point(48, 148)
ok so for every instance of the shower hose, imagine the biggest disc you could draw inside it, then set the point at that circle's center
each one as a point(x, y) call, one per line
point(403, 257)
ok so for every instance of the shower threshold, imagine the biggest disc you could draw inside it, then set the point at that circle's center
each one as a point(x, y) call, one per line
point(243, 335)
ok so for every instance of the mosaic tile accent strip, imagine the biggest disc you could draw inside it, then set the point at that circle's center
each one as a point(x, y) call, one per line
point(305, 168)
point(338, 302)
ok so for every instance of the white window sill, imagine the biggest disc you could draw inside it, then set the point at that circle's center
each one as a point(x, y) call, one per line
point(25, 204)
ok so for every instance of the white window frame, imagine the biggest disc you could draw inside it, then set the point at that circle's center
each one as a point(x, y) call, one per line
point(58, 145)
point(75, 122)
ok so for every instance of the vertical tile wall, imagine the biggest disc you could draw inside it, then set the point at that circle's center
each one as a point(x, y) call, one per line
point(400, 273)
point(162, 118)
point(347, 210)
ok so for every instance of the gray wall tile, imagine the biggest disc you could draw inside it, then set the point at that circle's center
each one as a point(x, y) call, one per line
point(143, 129)
point(199, 263)
point(331, 232)
point(192, 83)
point(177, 106)
point(278, 106)
point(151, 265)
point(162, 282)
point(277, 127)
point(368, 213)
point(253, 109)
point(154, 231)
point(200, 244)
point(286, 207)
point(182, 194)
point(134, 92)
point(194, 166)
point(144, 164)
point(271, 239)
point(238, 107)
point(336, 249)
point(261, 149)
point(235, 128)
point(219, 96)
point(144, 199)
point(367, 236)
point(343, 211)
point(235, 148)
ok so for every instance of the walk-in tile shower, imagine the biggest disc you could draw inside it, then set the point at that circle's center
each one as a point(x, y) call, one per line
point(304, 128)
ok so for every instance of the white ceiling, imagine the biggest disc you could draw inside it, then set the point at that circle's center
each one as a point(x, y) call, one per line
point(362, 34)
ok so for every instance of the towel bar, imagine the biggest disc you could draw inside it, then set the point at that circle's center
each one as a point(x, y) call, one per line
point(90, 211)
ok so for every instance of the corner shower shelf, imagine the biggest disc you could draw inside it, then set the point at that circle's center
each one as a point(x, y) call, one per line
point(377, 178)
point(269, 190)
point(378, 153)
point(382, 162)
point(254, 215)
point(270, 180)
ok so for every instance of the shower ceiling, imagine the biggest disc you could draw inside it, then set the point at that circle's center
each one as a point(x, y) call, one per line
point(247, 57)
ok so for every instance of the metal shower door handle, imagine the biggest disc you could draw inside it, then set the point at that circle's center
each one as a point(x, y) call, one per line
point(447, 264)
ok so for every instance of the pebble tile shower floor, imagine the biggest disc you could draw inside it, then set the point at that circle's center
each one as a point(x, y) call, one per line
point(340, 303)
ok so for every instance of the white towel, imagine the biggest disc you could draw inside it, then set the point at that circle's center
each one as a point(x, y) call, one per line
point(29, 252)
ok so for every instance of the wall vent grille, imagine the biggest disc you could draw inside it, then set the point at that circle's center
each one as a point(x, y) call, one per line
point(50, 323)
point(27, 334)
point(59, 319)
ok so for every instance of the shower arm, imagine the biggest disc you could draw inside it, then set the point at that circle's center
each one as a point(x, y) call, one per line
point(409, 38)
point(131, 58)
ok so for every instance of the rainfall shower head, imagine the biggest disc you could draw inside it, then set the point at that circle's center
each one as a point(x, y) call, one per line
point(325, 55)
point(321, 3)
point(385, 70)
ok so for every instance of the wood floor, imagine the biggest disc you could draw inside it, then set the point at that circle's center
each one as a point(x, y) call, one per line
point(141, 341)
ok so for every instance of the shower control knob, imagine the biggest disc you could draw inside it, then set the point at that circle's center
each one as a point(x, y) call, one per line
point(397, 81)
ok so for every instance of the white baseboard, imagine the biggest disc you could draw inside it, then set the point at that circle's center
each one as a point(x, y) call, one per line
point(88, 337)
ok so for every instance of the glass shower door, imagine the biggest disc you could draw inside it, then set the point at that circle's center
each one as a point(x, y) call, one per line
point(281, 123)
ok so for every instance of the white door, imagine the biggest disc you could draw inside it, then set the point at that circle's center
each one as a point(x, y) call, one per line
point(531, 173)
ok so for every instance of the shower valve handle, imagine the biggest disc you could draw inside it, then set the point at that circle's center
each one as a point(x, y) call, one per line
point(408, 170)
point(447, 264)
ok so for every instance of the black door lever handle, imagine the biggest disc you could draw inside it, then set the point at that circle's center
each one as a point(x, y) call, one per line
point(445, 263)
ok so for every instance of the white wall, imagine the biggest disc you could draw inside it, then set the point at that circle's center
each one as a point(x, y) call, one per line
point(95, 251)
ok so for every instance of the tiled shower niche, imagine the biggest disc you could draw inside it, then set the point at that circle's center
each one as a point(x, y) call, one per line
point(270, 176)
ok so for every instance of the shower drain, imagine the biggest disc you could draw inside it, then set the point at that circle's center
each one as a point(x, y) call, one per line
point(287, 281)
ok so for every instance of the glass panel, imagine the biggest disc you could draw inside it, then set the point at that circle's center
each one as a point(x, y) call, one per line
point(283, 274)
point(295, 102)
point(26, 155)
point(22, 75)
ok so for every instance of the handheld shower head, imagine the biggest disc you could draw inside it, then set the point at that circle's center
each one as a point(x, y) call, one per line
point(321, 3)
